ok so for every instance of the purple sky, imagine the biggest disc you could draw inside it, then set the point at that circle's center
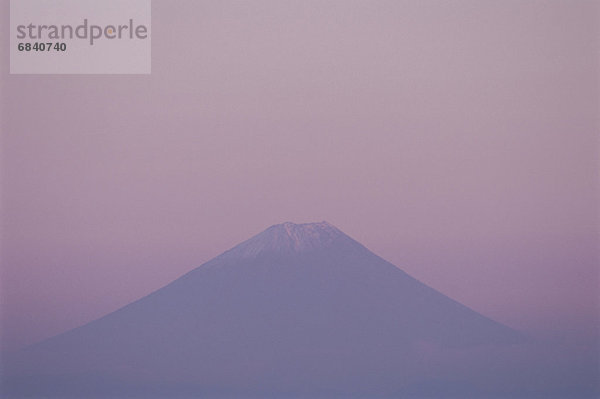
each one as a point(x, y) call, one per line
point(457, 140)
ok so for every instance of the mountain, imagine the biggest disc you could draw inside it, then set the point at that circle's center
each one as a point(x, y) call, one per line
point(299, 309)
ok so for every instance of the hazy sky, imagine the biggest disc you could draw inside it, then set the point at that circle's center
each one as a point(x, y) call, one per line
point(458, 140)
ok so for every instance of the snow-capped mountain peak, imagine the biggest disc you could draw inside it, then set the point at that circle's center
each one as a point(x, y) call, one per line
point(296, 306)
point(288, 237)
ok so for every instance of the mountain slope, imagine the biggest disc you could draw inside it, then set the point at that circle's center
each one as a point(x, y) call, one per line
point(297, 308)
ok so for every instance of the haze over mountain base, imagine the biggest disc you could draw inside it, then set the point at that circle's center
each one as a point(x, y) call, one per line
point(296, 311)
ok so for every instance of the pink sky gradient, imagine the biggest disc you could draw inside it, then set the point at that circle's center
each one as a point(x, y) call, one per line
point(458, 140)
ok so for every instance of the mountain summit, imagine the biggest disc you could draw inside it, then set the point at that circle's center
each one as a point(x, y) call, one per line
point(289, 237)
point(298, 309)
